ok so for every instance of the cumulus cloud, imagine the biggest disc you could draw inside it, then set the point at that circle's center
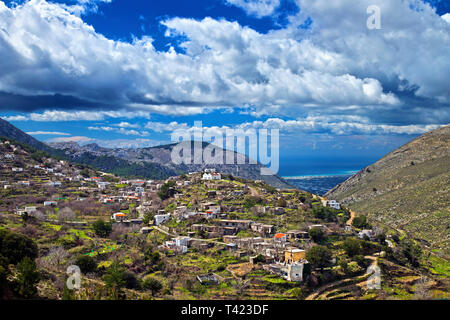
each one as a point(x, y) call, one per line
point(336, 64)
point(446, 17)
point(51, 133)
point(336, 125)
point(57, 116)
point(78, 139)
point(120, 130)
point(258, 8)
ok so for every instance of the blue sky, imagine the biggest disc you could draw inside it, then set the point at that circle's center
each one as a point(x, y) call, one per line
point(127, 73)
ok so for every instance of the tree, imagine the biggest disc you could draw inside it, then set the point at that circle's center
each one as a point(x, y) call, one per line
point(56, 256)
point(115, 279)
point(148, 216)
point(319, 256)
point(66, 214)
point(360, 222)
point(165, 192)
point(86, 264)
point(152, 284)
point(27, 278)
point(15, 247)
point(316, 234)
point(102, 228)
point(352, 247)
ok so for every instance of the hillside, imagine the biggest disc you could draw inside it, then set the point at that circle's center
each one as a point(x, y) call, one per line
point(160, 156)
point(408, 189)
point(175, 232)
point(9, 131)
point(148, 163)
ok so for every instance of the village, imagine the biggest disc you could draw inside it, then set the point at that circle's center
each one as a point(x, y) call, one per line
point(256, 229)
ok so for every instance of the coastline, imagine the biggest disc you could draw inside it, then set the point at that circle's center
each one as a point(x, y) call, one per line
point(322, 175)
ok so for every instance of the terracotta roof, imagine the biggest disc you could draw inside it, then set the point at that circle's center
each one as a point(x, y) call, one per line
point(280, 235)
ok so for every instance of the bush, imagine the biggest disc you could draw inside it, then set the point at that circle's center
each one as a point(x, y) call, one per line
point(352, 247)
point(27, 278)
point(115, 279)
point(152, 284)
point(316, 234)
point(165, 192)
point(15, 247)
point(361, 222)
point(86, 264)
point(102, 228)
point(319, 256)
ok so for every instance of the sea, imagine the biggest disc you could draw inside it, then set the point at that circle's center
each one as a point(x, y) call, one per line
point(319, 173)
point(319, 184)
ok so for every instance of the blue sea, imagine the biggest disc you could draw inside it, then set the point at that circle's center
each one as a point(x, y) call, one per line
point(319, 174)
point(317, 184)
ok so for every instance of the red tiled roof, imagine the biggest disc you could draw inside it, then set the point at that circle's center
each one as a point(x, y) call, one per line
point(280, 235)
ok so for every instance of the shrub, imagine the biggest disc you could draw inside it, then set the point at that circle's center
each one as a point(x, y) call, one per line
point(27, 278)
point(316, 234)
point(102, 228)
point(361, 222)
point(152, 284)
point(352, 247)
point(86, 264)
point(319, 256)
point(15, 247)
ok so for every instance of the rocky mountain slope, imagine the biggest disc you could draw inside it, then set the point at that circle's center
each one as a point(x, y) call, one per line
point(9, 131)
point(161, 156)
point(149, 163)
point(408, 190)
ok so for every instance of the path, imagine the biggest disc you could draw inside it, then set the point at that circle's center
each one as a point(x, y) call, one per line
point(319, 291)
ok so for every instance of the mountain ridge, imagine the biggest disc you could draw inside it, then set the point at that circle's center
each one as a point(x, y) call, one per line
point(407, 189)
point(149, 163)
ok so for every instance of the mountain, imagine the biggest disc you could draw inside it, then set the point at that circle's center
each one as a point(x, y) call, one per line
point(407, 190)
point(161, 156)
point(148, 163)
point(9, 131)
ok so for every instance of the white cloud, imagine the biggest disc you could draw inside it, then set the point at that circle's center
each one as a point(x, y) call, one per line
point(165, 127)
point(57, 116)
point(125, 124)
point(45, 50)
point(52, 133)
point(258, 8)
point(346, 125)
point(78, 139)
point(446, 17)
point(120, 131)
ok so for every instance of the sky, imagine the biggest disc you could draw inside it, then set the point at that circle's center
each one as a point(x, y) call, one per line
point(128, 73)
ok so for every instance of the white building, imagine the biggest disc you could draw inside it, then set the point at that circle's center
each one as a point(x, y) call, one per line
point(30, 209)
point(366, 233)
point(139, 190)
point(119, 216)
point(211, 176)
point(293, 271)
point(332, 204)
point(161, 218)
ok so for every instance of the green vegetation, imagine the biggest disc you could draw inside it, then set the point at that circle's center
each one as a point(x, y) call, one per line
point(319, 256)
point(102, 228)
point(165, 192)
